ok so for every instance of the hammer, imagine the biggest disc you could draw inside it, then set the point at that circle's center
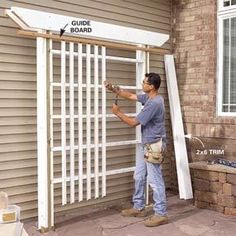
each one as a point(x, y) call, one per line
point(116, 99)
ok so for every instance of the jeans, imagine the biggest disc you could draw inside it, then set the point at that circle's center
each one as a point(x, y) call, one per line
point(153, 174)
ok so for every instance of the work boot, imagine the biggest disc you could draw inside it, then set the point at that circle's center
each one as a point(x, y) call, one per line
point(156, 220)
point(133, 212)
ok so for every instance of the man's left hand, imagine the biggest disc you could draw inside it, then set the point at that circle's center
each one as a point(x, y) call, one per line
point(115, 109)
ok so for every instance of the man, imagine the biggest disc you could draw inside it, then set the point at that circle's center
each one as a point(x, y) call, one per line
point(152, 122)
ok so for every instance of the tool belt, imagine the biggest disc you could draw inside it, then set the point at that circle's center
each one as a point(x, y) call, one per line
point(154, 152)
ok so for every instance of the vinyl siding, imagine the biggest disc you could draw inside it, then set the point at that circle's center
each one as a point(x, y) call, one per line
point(18, 147)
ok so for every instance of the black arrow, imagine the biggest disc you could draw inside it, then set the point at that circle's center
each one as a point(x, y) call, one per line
point(62, 31)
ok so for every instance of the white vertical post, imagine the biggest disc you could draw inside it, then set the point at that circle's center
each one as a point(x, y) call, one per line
point(147, 70)
point(220, 65)
point(80, 121)
point(72, 128)
point(229, 69)
point(103, 123)
point(51, 133)
point(181, 156)
point(147, 61)
point(63, 120)
point(42, 144)
point(140, 71)
point(96, 127)
point(88, 122)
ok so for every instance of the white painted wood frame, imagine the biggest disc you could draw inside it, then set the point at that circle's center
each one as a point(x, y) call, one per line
point(104, 114)
point(51, 134)
point(42, 133)
point(37, 21)
point(96, 122)
point(72, 125)
point(63, 122)
point(80, 123)
point(147, 71)
point(88, 120)
point(183, 172)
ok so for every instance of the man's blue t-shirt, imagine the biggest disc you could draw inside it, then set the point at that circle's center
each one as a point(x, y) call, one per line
point(152, 118)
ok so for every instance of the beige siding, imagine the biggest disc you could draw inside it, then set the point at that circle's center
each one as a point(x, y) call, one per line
point(18, 154)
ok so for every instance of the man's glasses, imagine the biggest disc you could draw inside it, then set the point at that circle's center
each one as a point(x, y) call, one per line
point(144, 82)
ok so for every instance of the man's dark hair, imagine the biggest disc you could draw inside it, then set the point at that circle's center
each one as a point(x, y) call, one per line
point(154, 79)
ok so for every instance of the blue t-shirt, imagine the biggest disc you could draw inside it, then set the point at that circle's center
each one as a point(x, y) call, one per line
point(152, 118)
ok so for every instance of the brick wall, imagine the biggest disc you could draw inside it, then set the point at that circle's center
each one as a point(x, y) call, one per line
point(194, 43)
point(215, 190)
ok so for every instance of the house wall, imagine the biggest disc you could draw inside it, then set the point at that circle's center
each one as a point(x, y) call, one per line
point(195, 49)
point(18, 160)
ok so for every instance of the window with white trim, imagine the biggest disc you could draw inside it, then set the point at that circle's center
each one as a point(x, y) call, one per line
point(227, 3)
point(227, 57)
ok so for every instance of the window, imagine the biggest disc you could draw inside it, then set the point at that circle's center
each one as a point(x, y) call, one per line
point(227, 58)
point(227, 3)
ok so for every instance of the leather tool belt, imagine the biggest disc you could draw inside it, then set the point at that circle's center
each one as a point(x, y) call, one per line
point(154, 152)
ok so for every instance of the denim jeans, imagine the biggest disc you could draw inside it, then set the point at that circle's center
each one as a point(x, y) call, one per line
point(153, 174)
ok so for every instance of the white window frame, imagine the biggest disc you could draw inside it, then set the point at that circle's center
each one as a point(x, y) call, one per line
point(222, 14)
point(221, 7)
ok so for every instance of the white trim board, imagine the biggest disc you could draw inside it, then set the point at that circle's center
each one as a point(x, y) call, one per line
point(39, 20)
point(182, 165)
